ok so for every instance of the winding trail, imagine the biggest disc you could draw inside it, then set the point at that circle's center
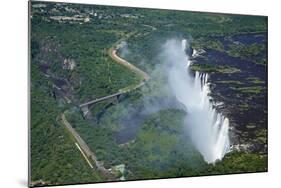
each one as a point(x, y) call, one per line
point(112, 52)
point(80, 143)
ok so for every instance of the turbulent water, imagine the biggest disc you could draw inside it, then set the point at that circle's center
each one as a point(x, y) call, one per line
point(207, 129)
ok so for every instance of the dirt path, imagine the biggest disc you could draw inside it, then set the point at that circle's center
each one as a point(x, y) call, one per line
point(112, 52)
point(80, 143)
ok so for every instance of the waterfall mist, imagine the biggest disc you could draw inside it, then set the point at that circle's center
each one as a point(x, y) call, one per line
point(207, 129)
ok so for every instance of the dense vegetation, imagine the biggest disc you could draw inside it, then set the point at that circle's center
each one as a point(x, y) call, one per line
point(54, 157)
point(94, 74)
point(70, 65)
point(160, 150)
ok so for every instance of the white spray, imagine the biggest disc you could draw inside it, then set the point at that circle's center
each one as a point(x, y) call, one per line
point(207, 128)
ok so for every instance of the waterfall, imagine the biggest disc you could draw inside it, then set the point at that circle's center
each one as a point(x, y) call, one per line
point(207, 128)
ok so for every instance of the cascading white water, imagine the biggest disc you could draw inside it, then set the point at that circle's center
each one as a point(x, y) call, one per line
point(207, 128)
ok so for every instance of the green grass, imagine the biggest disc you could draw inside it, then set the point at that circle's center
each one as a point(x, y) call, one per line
point(250, 90)
point(255, 80)
point(208, 44)
point(248, 52)
point(214, 68)
point(244, 106)
point(262, 135)
point(230, 82)
point(262, 61)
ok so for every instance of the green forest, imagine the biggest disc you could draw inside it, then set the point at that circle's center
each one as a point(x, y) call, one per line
point(70, 65)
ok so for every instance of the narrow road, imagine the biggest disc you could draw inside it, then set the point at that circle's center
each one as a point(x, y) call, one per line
point(89, 154)
point(112, 52)
point(80, 143)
